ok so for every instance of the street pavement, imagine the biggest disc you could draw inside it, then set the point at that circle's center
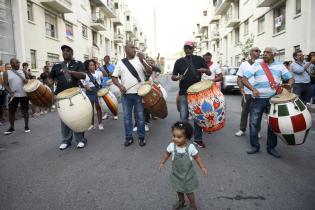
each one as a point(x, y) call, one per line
point(34, 174)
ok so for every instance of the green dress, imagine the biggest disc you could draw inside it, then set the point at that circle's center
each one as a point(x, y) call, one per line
point(183, 176)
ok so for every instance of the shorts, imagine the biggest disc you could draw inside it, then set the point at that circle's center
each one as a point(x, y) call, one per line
point(93, 97)
point(3, 97)
point(23, 101)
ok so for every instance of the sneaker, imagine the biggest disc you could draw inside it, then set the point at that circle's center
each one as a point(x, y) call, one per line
point(200, 144)
point(10, 131)
point(105, 116)
point(64, 146)
point(100, 127)
point(146, 128)
point(240, 133)
point(80, 145)
point(134, 129)
point(259, 135)
point(27, 130)
point(91, 127)
point(115, 117)
point(142, 142)
point(128, 142)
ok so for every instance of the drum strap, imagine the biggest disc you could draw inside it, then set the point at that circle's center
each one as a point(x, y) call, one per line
point(132, 69)
point(192, 67)
point(106, 69)
point(17, 74)
point(93, 80)
point(270, 78)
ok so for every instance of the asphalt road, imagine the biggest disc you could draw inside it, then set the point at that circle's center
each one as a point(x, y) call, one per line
point(34, 174)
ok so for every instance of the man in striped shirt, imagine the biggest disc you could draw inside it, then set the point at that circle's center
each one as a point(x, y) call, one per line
point(262, 92)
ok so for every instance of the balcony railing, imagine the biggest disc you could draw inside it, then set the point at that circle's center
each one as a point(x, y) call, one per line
point(215, 35)
point(60, 6)
point(221, 6)
point(98, 24)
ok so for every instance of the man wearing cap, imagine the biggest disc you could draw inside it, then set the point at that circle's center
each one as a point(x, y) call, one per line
point(246, 93)
point(262, 90)
point(67, 74)
point(188, 71)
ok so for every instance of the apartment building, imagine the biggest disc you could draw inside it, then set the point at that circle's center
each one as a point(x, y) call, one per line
point(34, 30)
point(285, 24)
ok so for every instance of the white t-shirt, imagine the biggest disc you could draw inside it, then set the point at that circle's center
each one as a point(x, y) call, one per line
point(98, 75)
point(244, 66)
point(192, 151)
point(215, 70)
point(127, 79)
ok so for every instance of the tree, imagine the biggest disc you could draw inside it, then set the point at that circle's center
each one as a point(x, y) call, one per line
point(246, 45)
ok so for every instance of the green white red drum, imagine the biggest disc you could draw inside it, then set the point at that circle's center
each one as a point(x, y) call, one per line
point(206, 105)
point(290, 120)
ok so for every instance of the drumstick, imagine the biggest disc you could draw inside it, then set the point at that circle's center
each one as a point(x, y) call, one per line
point(185, 72)
point(11, 99)
point(131, 87)
point(244, 98)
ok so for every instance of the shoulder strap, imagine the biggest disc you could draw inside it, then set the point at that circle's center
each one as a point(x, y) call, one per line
point(132, 69)
point(17, 74)
point(106, 69)
point(93, 80)
point(192, 67)
point(270, 78)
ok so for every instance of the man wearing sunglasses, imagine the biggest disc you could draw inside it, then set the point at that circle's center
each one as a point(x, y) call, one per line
point(262, 91)
point(188, 71)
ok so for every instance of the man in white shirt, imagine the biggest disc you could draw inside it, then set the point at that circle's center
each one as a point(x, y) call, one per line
point(246, 93)
point(131, 79)
point(216, 73)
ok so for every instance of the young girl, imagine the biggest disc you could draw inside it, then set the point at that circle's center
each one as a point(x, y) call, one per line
point(183, 177)
point(92, 84)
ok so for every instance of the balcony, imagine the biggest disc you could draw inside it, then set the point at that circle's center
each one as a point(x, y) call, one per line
point(215, 36)
point(215, 19)
point(98, 24)
point(198, 35)
point(222, 6)
point(60, 6)
point(120, 17)
point(266, 3)
point(119, 38)
point(107, 7)
point(232, 22)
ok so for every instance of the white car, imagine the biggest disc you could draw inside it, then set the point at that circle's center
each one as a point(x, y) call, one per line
point(229, 79)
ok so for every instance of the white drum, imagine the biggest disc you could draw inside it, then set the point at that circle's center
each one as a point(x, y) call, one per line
point(74, 109)
point(107, 101)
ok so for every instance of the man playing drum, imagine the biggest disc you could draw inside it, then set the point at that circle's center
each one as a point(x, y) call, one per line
point(263, 89)
point(67, 74)
point(132, 71)
point(188, 71)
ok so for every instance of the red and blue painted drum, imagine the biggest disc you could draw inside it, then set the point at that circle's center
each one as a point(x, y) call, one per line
point(289, 118)
point(206, 105)
point(108, 101)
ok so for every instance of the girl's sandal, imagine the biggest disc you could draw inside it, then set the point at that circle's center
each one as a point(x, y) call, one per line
point(179, 205)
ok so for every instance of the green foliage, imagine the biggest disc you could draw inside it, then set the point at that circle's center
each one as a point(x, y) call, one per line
point(246, 45)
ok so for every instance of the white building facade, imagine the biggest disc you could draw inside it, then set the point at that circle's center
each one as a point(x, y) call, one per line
point(34, 30)
point(285, 24)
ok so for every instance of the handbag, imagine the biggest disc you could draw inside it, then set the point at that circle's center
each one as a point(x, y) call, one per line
point(270, 78)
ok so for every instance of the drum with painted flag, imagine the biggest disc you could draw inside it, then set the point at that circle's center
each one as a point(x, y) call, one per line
point(108, 101)
point(289, 118)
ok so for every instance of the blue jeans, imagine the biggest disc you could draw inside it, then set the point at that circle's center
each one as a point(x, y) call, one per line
point(257, 107)
point(183, 111)
point(304, 91)
point(67, 135)
point(130, 102)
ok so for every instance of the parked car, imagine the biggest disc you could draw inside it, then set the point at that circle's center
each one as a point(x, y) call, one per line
point(229, 79)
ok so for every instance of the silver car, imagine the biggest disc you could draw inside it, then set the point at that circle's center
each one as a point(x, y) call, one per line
point(229, 79)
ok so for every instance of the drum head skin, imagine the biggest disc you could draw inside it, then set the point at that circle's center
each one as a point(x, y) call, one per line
point(200, 86)
point(283, 98)
point(102, 92)
point(31, 85)
point(144, 89)
point(68, 93)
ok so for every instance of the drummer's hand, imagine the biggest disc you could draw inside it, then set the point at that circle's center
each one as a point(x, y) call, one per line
point(287, 86)
point(122, 89)
point(255, 93)
point(25, 81)
point(180, 77)
point(202, 70)
point(204, 171)
point(140, 55)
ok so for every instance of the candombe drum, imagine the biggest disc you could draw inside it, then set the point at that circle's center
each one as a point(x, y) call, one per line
point(108, 101)
point(39, 94)
point(206, 105)
point(114, 89)
point(153, 100)
point(74, 109)
point(289, 118)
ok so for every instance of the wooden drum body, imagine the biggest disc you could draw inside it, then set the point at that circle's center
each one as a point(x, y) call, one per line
point(74, 109)
point(206, 105)
point(108, 101)
point(39, 94)
point(289, 118)
point(153, 100)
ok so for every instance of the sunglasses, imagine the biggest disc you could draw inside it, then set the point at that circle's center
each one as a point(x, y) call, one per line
point(187, 47)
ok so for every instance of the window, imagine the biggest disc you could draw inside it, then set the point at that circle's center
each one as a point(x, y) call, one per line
point(237, 60)
point(237, 35)
point(84, 31)
point(30, 11)
point(94, 36)
point(51, 24)
point(279, 18)
point(33, 59)
point(116, 5)
point(86, 57)
point(296, 48)
point(261, 24)
point(52, 58)
point(280, 55)
point(69, 30)
point(298, 6)
point(127, 17)
point(246, 24)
